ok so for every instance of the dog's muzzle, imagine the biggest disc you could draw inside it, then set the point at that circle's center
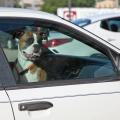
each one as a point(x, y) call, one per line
point(35, 55)
point(36, 48)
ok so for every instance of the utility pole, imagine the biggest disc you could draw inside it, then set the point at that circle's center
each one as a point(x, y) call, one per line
point(22, 4)
point(33, 4)
point(69, 7)
point(117, 3)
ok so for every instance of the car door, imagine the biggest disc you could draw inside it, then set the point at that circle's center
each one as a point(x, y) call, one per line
point(5, 106)
point(6, 110)
point(106, 29)
point(82, 78)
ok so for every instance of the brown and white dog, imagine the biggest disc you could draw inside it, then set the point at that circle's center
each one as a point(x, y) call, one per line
point(29, 49)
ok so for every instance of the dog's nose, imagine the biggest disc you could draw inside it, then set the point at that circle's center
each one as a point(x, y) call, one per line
point(36, 48)
point(36, 45)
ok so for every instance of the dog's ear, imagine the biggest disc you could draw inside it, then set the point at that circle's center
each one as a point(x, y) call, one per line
point(17, 33)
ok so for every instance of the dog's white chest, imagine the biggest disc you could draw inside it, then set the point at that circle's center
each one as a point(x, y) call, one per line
point(32, 77)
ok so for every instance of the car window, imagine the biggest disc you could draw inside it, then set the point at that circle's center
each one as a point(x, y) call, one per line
point(38, 52)
point(111, 24)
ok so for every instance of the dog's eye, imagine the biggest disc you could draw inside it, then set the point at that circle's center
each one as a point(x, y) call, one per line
point(30, 41)
point(39, 41)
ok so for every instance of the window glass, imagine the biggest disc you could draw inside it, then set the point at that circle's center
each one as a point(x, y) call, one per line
point(41, 52)
point(111, 24)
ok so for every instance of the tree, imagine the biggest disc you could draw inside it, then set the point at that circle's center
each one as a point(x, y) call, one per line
point(16, 4)
point(52, 5)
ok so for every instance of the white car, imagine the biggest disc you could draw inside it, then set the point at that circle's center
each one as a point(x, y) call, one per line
point(106, 26)
point(84, 86)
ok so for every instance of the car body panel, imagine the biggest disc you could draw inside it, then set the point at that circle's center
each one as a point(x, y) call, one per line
point(6, 112)
point(75, 100)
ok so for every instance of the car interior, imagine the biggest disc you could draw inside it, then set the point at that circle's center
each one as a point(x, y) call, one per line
point(58, 66)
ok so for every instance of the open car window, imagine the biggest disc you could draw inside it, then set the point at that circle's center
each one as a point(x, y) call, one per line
point(38, 52)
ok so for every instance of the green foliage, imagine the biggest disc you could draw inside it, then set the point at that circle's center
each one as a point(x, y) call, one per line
point(16, 4)
point(52, 5)
point(83, 3)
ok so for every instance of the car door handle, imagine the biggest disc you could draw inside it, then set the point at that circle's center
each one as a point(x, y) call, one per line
point(34, 106)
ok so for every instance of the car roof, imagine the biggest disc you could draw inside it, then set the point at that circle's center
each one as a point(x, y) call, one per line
point(19, 12)
point(27, 13)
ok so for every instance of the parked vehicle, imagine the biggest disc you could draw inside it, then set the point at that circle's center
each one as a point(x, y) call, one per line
point(106, 26)
point(82, 81)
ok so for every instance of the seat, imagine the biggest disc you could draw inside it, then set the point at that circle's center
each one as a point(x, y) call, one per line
point(88, 71)
point(106, 70)
point(114, 28)
point(97, 71)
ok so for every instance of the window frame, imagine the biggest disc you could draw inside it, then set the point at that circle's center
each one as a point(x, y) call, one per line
point(76, 33)
point(7, 78)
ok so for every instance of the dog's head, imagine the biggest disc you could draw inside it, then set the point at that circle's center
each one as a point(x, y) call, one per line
point(30, 43)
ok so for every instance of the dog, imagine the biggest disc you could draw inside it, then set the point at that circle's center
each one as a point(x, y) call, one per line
point(29, 49)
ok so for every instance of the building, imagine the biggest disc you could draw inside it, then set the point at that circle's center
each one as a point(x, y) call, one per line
point(7, 3)
point(106, 4)
point(31, 4)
